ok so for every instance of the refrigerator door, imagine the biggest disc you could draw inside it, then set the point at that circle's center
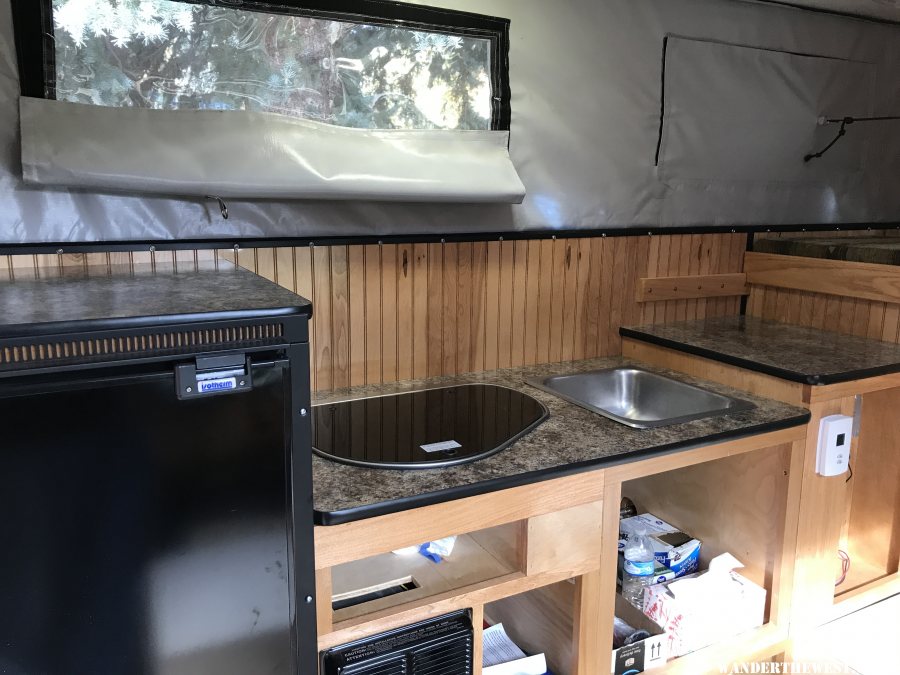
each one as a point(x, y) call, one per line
point(147, 535)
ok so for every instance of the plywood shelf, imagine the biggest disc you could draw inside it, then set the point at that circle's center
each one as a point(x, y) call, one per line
point(759, 644)
point(476, 557)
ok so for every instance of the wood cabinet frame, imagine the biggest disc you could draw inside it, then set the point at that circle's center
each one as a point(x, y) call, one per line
point(823, 506)
point(568, 530)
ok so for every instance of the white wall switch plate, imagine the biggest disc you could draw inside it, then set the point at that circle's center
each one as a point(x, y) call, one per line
point(833, 457)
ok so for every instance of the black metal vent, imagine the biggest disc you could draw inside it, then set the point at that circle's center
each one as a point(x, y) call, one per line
point(452, 656)
point(394, 666)
point(441, 646)
point(58, 351)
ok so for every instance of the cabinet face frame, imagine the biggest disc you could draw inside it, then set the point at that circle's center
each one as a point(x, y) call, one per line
point(569, 530)
point(558, 529)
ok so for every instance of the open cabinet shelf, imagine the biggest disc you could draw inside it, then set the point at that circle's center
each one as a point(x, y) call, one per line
point(541, 621)
point(737, 504)
point(870, 534)
point(476, 557)
point(509, 543)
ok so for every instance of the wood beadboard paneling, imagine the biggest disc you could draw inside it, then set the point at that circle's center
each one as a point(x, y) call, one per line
point(400, 311)
point(876, 282)
point(851, 316)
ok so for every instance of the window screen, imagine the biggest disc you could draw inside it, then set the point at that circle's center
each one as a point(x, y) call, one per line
point(383, 66)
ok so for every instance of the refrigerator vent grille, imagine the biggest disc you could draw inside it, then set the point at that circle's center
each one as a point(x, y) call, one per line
point(452, 657)
point(43, 354)
point(396, 666)
point(439, 646)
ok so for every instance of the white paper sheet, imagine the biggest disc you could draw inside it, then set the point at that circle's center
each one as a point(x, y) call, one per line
point(531, 665)
point(503, 657)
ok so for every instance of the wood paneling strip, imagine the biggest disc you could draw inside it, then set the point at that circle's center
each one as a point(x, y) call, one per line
point(389, 315)
point(695, 286)
point(880, 283)
point(340, 317)
point(505, 301)
point(322, 352)
point(400, 311)
point(405, 296)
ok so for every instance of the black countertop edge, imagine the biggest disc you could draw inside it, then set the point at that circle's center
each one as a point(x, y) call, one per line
point(329, 518)
point(816, 379)
point(162, 322)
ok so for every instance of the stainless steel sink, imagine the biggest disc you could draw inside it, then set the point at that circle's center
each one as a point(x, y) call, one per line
point(638, 397)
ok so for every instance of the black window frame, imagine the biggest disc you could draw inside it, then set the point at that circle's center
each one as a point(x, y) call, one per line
point(36, 53)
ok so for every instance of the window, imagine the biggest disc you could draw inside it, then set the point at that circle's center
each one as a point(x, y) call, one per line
point(363, 63)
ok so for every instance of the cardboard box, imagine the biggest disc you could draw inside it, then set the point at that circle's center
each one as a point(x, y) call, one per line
point(674, 549)
point(648, 654)
point(699, 610)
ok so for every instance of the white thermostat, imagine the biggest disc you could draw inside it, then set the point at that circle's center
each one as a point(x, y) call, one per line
point(833, 456)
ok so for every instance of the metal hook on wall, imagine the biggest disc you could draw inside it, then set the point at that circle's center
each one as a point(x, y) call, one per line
point(223, 207)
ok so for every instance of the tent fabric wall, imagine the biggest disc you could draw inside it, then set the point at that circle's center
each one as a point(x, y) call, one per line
point(739, 115)
point(586, 87)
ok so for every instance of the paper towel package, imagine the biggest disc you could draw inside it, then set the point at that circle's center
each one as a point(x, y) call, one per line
point(701, 609)
point(674, 549)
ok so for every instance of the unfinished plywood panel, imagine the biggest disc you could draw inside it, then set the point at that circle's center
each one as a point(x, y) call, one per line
point(873, 528)
point(744, 517)
point(541, 622)
point(398, 311)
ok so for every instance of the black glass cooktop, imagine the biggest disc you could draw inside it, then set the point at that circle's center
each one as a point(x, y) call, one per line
point(424, 429)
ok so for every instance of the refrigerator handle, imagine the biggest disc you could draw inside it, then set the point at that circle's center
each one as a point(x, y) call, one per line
point(213, 376)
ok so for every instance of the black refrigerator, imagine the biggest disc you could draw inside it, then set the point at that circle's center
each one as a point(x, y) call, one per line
point(155, 474)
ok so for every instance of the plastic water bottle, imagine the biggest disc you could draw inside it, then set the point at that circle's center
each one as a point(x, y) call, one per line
point(638, 568)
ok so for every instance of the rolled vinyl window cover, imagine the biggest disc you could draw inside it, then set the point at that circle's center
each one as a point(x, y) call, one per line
point(251, 155)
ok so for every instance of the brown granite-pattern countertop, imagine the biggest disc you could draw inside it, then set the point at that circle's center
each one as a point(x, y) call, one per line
point(99, 298)
point(571, 440)
point(787, 351)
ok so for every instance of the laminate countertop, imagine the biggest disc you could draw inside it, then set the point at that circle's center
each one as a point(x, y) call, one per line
point(82, 299)
point(570, 441)
point(795, 353)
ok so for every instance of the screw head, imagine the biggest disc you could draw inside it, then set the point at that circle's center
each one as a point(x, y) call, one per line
point(303, 412)
point(189, 390)
point(308, 599)
point(152, 249)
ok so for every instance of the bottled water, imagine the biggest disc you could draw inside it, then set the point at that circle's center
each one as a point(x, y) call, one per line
point(638, 568)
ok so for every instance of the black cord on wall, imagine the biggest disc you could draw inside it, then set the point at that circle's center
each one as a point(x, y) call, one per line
point(844, 122)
